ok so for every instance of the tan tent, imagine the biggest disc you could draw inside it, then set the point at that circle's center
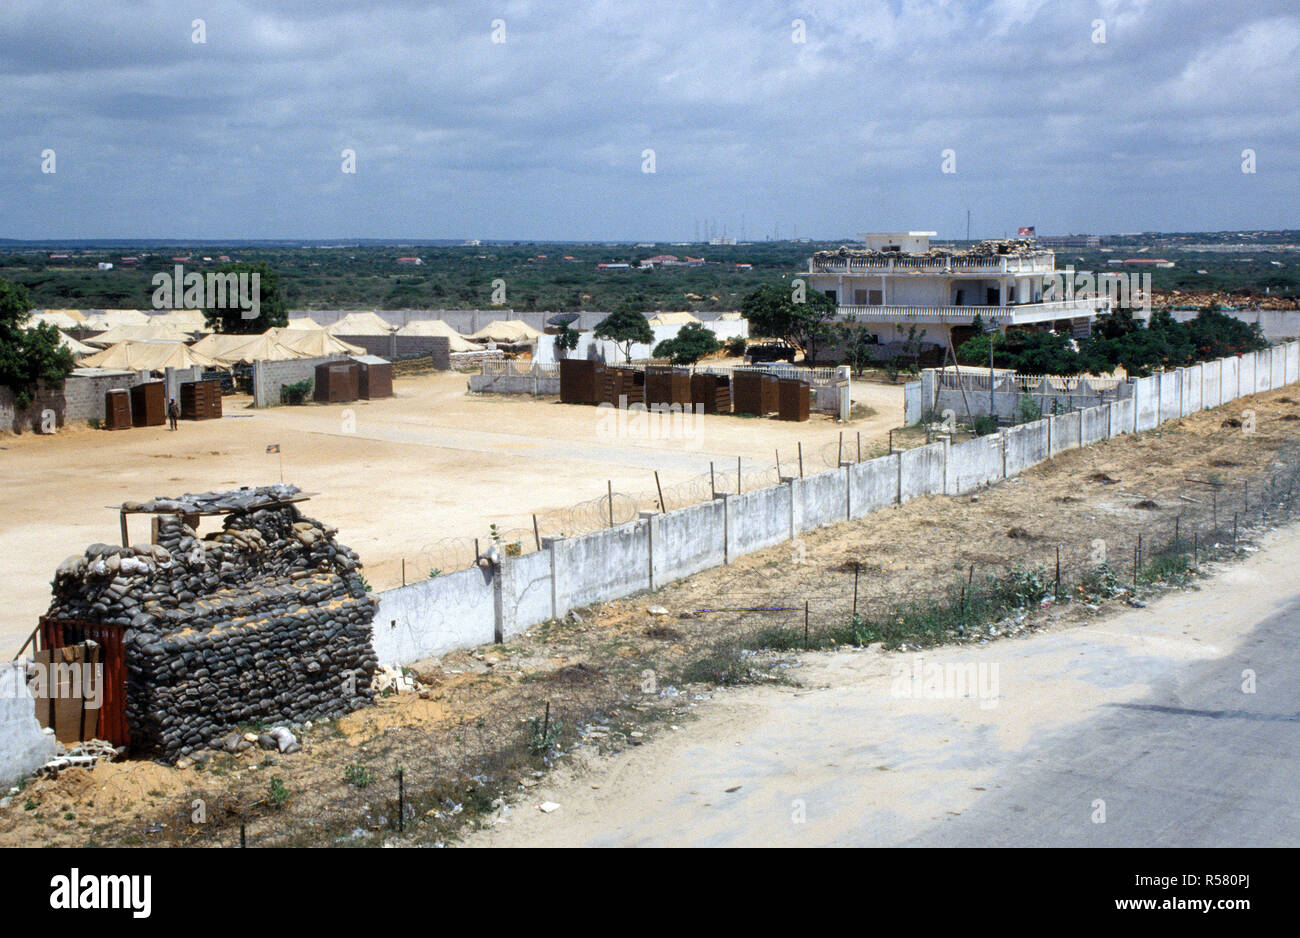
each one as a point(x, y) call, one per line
point(311, 343)
point(304, 322)
point(58, 318)
point(191, 320)
point(148, 332)
point(147, 356)
point(231, 349)
point(361, 324)
point(72, 345)
point(428, 327)
point(506, 332)
point(672, 319)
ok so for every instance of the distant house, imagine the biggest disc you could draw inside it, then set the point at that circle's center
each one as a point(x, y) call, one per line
point(105, 265)
point(744, 266)
point(58, 257)
point(661, 260)
point(896, 280)
point(613, 266)
point(414, 261)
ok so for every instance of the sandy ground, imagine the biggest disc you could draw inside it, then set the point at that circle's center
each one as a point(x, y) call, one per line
point(589, 670)
point(854, 758)
point(415, 476)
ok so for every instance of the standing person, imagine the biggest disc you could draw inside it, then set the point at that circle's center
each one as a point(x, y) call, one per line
point(173, 412)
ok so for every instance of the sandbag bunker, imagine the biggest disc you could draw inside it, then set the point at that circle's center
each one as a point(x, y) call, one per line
point(266, 621)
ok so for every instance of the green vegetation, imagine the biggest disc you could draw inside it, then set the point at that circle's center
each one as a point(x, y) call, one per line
point(296, 393)
point(272, 311)
point(775, 313)
point(29, 357)
point(1119, 339)
point(692, 342)
point(358, 775)
point(627, 327)
point(276, 793)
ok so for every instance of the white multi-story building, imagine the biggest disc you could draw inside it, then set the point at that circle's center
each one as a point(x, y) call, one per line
point(896, 280)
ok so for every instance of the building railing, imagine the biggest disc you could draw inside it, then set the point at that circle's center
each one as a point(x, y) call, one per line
point(962, 315)
point(1042, 263)
point(517, 368)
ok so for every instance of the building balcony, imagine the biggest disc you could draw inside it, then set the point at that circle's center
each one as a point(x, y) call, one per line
point(1040, 263)
point(1015, 315)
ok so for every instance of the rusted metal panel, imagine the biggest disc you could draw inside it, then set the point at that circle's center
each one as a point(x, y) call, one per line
point(61, 633)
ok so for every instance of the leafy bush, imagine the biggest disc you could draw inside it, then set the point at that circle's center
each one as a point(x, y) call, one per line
point(297, 392)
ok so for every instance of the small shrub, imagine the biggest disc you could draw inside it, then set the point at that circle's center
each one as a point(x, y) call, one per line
point(277, 793)
point(358, 775)
point(297, 392)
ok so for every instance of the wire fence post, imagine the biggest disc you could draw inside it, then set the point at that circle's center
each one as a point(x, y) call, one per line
point(610, 484)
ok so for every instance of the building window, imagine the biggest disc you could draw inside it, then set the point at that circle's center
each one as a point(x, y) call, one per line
point(833, 295)
point(876, 298)
point(859, 297)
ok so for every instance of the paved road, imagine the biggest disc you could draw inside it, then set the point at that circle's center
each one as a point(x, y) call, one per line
point(1196, 762)
point(1143, 711)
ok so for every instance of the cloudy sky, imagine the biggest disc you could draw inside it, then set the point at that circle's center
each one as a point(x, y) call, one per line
point(823, 118)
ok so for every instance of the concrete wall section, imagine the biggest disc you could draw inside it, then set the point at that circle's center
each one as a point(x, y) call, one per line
point(873, 485)
point(1026, 446)
point(601, 566)
point(1121, 417)
point(1229, 379)
point(687, 541)
point(820, 499)
point(1094, 424)
point(1276, 366)
point(526, 592)
point(974, 463)
point(1064, 432)
point(758, 519)
point(921, 471)
point(1292, 366)
point(456, 610)
point(1146, 396)
point(1211, 383)
point(1193, 381)
point(1168, 390)
point(1245, 375)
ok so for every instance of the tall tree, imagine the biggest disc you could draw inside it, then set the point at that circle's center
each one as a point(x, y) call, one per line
point(28, 356)
point(773, 311)
point(626, 326)
point(230, 317)
point(692, 342)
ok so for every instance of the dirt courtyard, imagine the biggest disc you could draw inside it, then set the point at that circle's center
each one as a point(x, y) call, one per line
point(415, 477)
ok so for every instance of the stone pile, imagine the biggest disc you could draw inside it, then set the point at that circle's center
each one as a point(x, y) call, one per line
point(266, 621)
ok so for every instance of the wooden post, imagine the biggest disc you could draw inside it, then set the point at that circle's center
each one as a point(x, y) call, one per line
point(801, 459)
point(713, 486)
point(403, 571)
point(537, 533)
point(610, 485)
point(662, 505)
point(738, 476)
point(401, 801)
point(857, 568)
point(122, 515)
point(859, 446)
point(839, 453)
point(1056, 597)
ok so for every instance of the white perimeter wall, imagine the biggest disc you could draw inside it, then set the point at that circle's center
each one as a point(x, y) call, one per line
point(474, 607)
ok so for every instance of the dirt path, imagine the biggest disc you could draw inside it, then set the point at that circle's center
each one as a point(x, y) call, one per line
point(862, 765)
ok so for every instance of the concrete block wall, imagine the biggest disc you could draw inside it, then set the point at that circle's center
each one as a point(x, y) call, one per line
point(270, 377)
point(819, 500)
point(1027, 446)
point(759, 519)
point(474, 607)
point(455, 610)
point(873, 484)
point(1094, 424)
point(974, 463)
point(600, 566)
point(1063, 432)
point(921, 471)
point(687, 541)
